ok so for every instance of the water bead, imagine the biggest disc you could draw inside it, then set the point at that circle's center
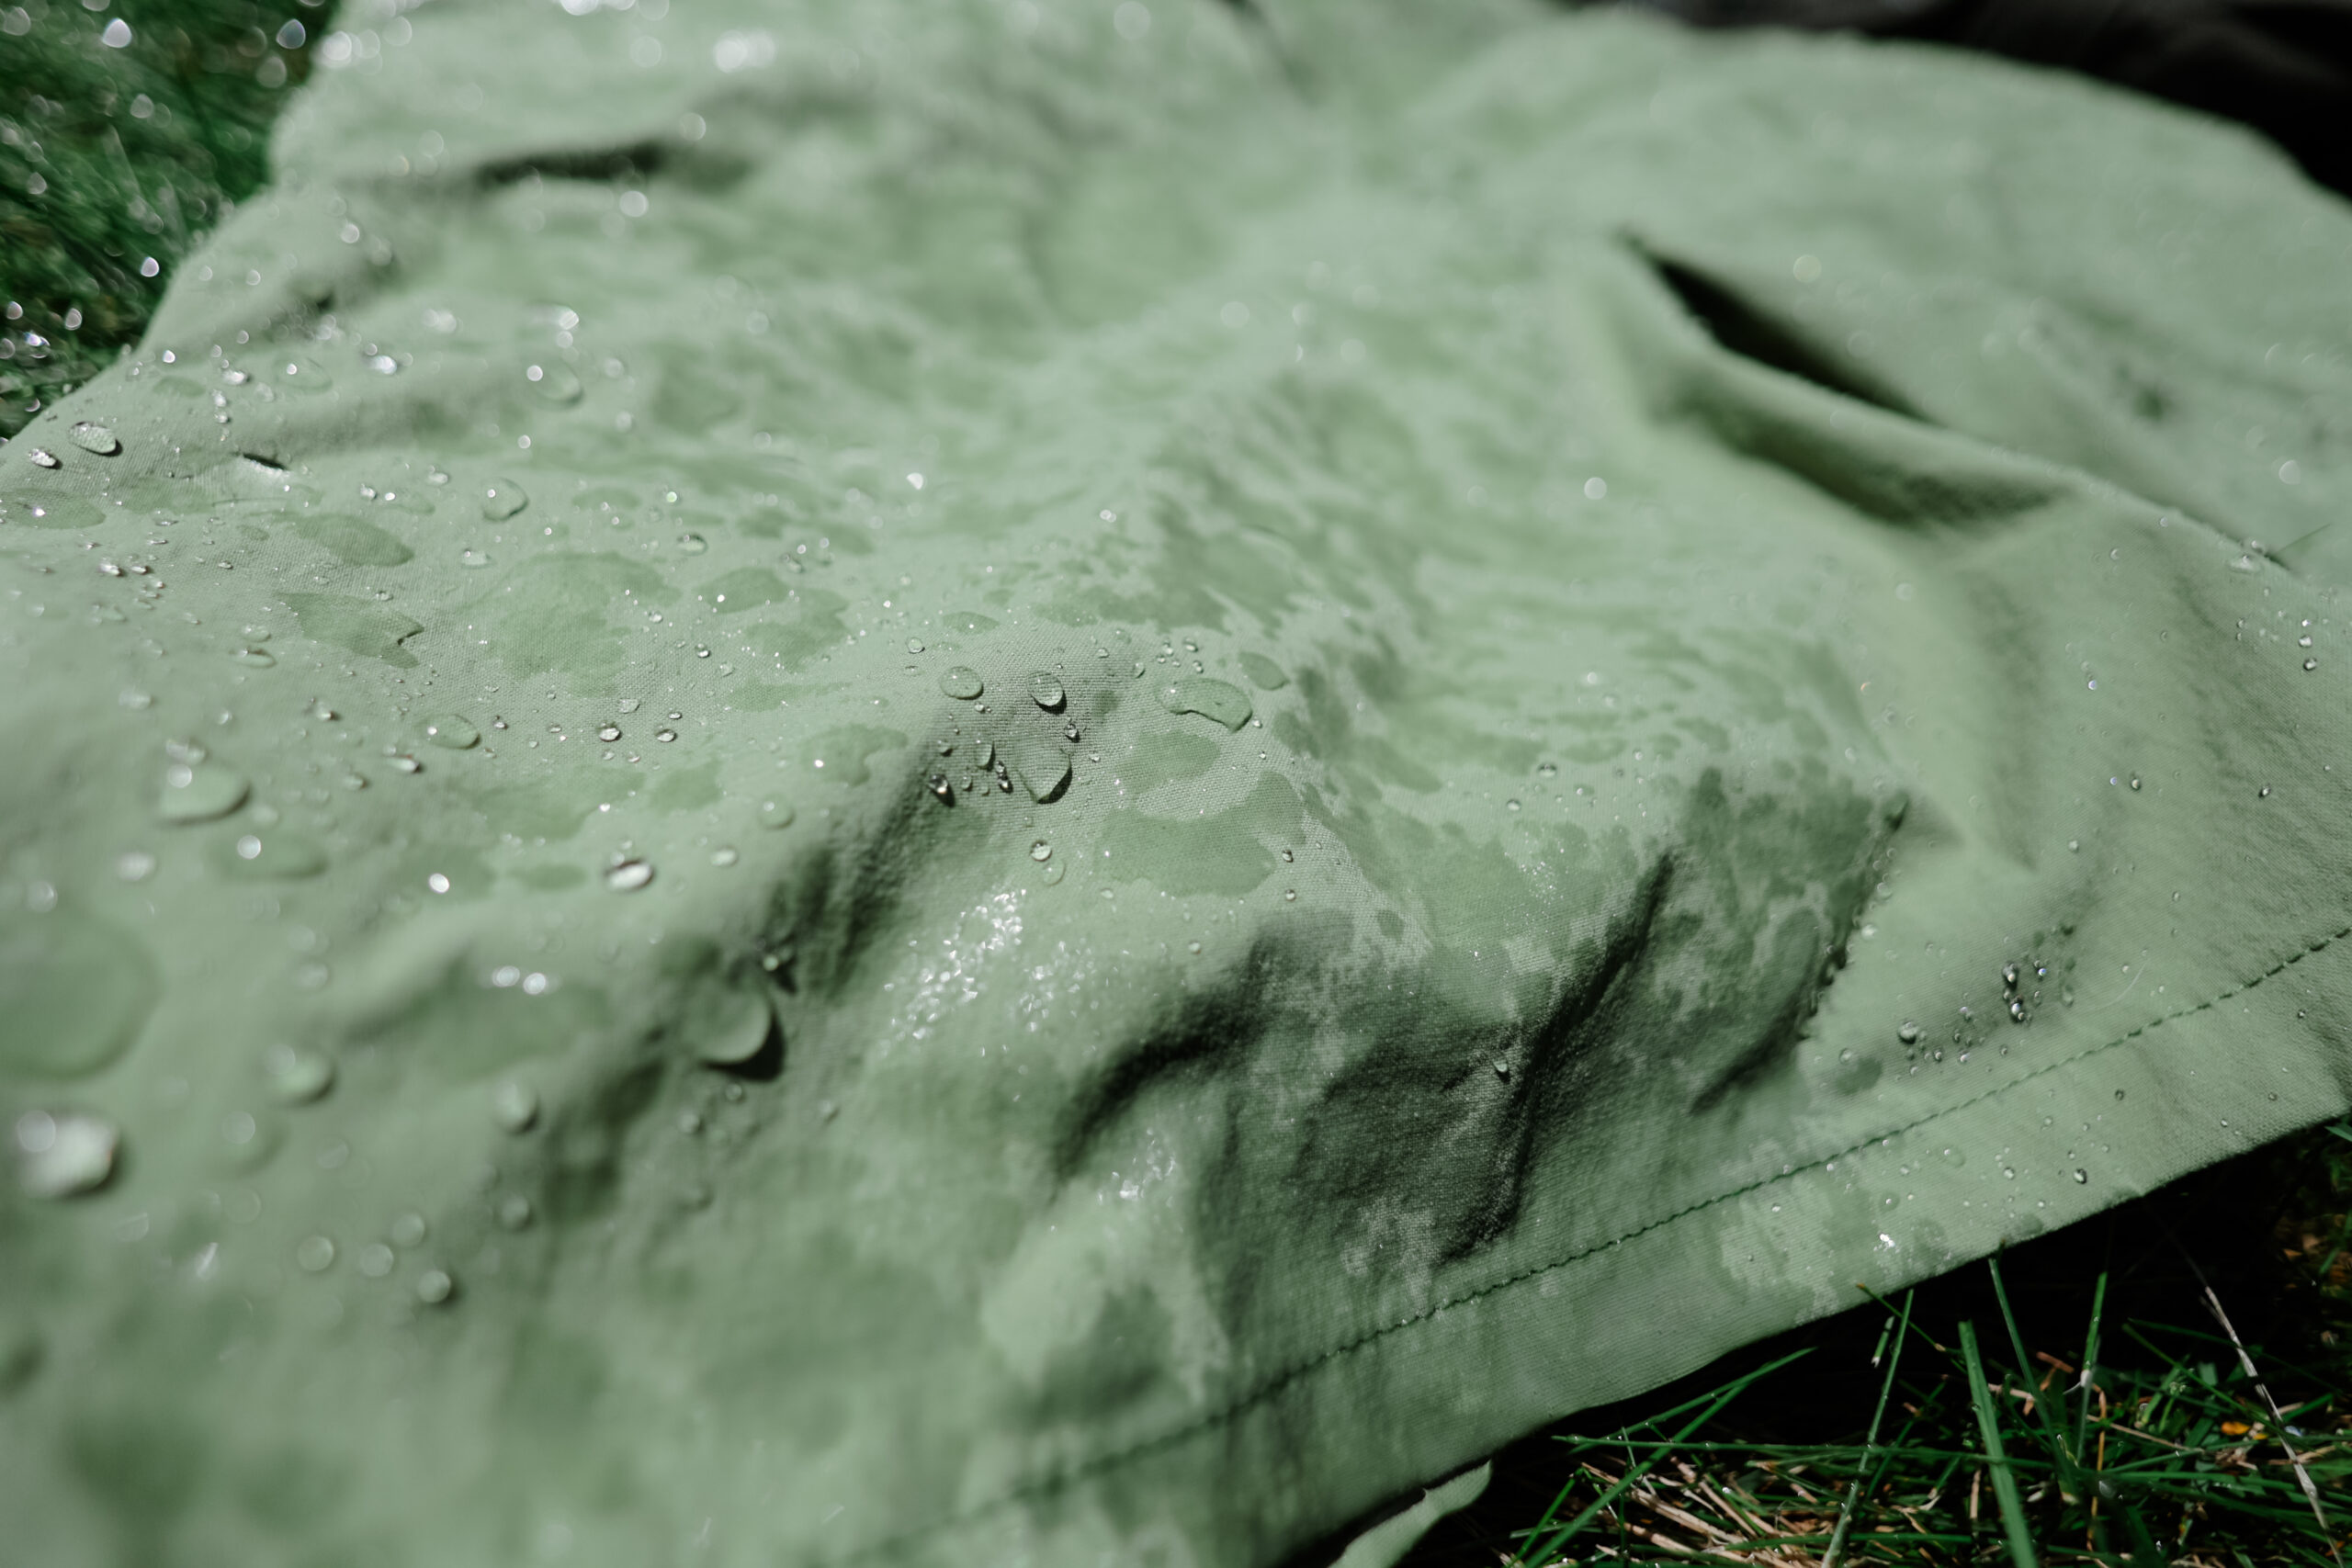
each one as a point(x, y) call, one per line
point(297, 1077)
point(64, 1154)
point(195, 791)
point(515, 1106)
point(501, 499)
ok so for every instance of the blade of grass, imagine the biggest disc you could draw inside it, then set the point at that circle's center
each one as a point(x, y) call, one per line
point(1633, 1473)
point(2055, 1435)
point(1997, 1459)
point(2087, 1383)
point(1885, 1391)
point(2278, 1421)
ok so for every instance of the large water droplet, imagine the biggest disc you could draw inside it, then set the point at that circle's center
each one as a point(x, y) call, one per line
point(64, 1153)
point(44, 458)
point(1046, 691)
point(1908, 1033)
point(628, 875)
point(556, 385)
point(92, 436)
point(775, 814)
point(961, 682)
point(1211, 698)
point(314, 1254)
point(434, 1286)
point(297, 1077)
point(515, 1105)
point(1041, 850)
point(278, 855)
point(79, 990)
point(501, 499)
point(1263, 673)
point(199, 791)
point(730, 1025)
point(452, 734)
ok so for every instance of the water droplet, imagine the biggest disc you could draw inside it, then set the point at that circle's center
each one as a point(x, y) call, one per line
point(514, 1212)
point(723, 856)
point(255, 658)
point(452, 734)
point(134, 865)
point(314, 1254)
point(501, 499)
point(1053, 873)
point(608, 732)
point(665, 735)
point(515, 1105)
point(375, 1260)
point(1045, 774)
point(278, 856)
point(199, 791)
point(1041, 850)
point(1908, 1032)
point(1510, 806)
point(2136, 781)
point(297, 1077)
point(775, 814)
point(556, 385)
point(628, 875)
point(44, 458)
point(407, 1229)
point(1211, 698)
point(939, 786)
point(436, 882)
point(2311, 664)
point(434, 1286)
point(405, 763)
point(92, 436)
point(65, 1154)
point(961, 682)
point(1046, 691)
point(2082, 1177)
point(473, 558)
point(2262, 794)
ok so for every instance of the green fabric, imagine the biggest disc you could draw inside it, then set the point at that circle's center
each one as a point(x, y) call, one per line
point(1525, 909)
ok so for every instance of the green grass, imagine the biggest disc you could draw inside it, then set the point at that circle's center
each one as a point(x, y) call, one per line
point(114, 161)
point(1958, 1426)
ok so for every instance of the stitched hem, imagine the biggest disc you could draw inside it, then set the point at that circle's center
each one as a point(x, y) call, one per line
point(1277, 1381)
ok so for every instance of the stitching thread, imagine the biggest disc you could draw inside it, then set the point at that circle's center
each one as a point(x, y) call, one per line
point(1275, 1382)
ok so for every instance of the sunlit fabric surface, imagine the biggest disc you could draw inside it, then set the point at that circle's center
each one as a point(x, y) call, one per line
point(978, 784)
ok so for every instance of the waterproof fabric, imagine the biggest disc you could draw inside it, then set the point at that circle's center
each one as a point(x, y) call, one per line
point(1630, 687)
